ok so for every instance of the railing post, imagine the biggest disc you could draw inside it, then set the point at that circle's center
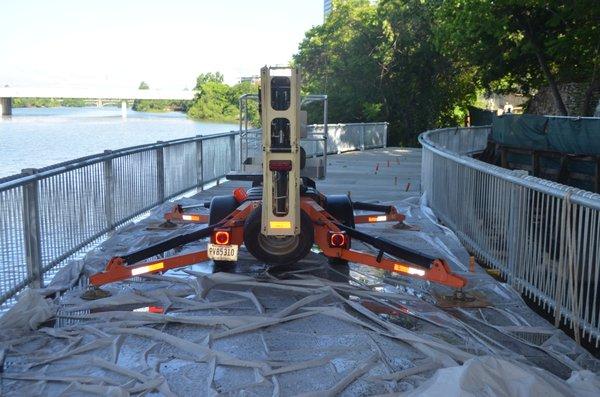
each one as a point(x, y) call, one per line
point(514, 230)
point(160, 172)
point(241, 162)
point(362, 137)
point(325, 140)
point(109, 189)
point(325, 120)
point(31, 231)
point(199, 158)
point(385, 134)
point(232, 151)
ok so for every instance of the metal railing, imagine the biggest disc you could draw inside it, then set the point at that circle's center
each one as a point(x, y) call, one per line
point(320, 141)
point(346, 137)
point(50, 214)
point(542, 236)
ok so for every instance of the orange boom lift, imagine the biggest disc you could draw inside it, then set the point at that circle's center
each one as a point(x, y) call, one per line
point(283, 216)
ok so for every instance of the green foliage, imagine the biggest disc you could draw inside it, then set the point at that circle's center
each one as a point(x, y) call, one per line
point(35, 102)
point(380, 63)
point(419, 64)
point(156, 105)
point(521, 45)
point(218, 101)
point(47, 102)
point(73, 102)
point(204, 78)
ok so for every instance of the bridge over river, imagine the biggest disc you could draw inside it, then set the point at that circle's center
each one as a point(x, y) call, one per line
point(8, 93)
point(312, 329)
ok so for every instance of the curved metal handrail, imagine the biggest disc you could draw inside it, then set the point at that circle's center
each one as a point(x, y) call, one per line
point(543, 236)
point(578, 196)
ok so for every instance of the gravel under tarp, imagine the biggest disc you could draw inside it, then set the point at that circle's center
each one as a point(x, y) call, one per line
point(303, 330)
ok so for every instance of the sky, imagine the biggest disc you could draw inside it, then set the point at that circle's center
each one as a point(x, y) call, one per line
point(167, 43)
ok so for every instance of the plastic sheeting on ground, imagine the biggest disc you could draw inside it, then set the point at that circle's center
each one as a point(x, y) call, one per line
point(494, 377)
point(306, 330)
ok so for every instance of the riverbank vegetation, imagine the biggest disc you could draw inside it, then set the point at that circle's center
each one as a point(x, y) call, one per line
point(418, 65)
point(35, 102)
point(218, 101)
point(47, 102)
point(214, 101)
point(157, 105)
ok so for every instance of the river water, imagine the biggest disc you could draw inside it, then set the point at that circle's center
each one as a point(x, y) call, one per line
point(38, 137)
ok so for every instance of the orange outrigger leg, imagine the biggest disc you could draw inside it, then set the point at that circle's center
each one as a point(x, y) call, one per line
point(178, 214)
point(332, 238)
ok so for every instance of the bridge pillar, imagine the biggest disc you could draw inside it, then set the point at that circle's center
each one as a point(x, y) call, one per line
point(5, 106)
point(124, 109)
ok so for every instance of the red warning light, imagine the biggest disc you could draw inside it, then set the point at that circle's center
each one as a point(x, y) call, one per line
point(280, 165)
point(337, 239)
point(221, 237)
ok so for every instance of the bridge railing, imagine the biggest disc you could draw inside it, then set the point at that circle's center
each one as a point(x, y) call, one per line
point(320, 141)
point(542, 236)
point(52, 214)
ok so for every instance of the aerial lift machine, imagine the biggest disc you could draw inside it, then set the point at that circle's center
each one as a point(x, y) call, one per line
point(283, 215)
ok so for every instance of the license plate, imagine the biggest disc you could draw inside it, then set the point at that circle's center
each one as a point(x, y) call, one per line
point(223, 252)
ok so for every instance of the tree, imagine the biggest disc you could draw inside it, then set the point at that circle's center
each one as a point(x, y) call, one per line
point(340, 58)
point(240, 89)
point(423, 87)
point(523, 44)
point(156, 105)
point(218, 101)
point(379, 62)
point(204, 78)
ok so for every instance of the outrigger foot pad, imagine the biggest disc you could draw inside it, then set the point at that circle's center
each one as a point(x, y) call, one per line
point(166, 225)
point(405, 226)
point(94, 293)
point(461, 299)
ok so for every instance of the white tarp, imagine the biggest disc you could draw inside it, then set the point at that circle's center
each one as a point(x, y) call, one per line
point(241, 334)
point(496, 377)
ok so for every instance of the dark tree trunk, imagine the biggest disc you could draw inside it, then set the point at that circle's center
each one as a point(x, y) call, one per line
point(588, 107)
point(558, 101)
point(541, 57)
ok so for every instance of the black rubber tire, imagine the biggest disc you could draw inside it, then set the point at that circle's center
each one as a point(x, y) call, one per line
point(275, 251)
point(220, 207)
point(340, 207)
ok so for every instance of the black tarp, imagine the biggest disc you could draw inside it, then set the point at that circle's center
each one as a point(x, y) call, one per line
point(479, 116)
